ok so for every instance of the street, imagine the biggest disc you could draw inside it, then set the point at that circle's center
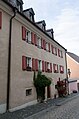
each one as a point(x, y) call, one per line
point(69, 110)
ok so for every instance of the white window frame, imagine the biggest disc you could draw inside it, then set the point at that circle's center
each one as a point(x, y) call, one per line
point(29, 62)
point(47, 47)
point(28, 36)
point(40, 65)
point(48, 65)
point(39, 41)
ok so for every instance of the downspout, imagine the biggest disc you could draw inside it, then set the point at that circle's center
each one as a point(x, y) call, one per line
point(66, 72)
point(66, 63)
point(9, 60)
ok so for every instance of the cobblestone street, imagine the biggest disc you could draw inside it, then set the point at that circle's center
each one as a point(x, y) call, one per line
point(69, 110)
point(59, 108)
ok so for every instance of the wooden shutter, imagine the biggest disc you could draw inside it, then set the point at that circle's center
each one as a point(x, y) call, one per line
point(52, 49)
point(33, 64)
point(32, 36)
point(35, 40)
point(36, 64)
point(58, 52)
point(24, 63)
point(55, 51)
point(55, 68)
point(49, 46)
point(43, 66)
point(50, 67)
point(23, 33)
point(44, 44)
point(0, 20)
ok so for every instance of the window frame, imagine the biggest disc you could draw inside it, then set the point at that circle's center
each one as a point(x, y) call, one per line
point(28, 92)
point(55, 68)
point(29, 63)
point(28, 36)
point(39, 41)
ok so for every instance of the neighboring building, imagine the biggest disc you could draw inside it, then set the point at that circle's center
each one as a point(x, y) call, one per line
point(25, 47)
point(73, 71)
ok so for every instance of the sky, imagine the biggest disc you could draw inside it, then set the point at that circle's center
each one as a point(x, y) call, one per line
point(62, 16)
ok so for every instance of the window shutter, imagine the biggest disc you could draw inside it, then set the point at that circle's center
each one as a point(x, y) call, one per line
point(35, 40)
point(0, 20)
point(36, 64)
point(58, 52)
point(52, 49)
point(49, 46)
point(32, 36)
point(55, 67)
point(43, 66)
point(33, 64)
point(44, 44)
point(55, 51)
point(24, 64)
point(50, 67)
point(23, 33)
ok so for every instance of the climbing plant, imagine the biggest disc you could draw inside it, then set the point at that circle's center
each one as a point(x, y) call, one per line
point(40, 82)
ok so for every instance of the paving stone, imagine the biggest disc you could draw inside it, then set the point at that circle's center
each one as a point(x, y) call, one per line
point(44, 109)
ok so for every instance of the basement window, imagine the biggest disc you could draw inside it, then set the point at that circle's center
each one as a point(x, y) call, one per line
point(28, 92)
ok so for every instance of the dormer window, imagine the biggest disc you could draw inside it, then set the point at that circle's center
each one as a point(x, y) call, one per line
point(42, 25)
point(29, 13)
point(19, 6)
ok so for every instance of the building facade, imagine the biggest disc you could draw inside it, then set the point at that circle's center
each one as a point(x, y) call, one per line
point(25, 47)
point(73, 68)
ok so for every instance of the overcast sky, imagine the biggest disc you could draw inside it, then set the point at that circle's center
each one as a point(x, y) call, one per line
point(62, 16)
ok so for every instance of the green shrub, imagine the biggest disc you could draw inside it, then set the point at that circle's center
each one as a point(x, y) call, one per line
point(40, 82)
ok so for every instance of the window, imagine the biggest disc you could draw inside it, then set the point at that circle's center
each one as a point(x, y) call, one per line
point(39, 42)
point(31, 16)
point(55, 67)
point(60, 54)
point(54, 50)
point(61, 69)
point(48, 67)
point(40, 65)
point(47, 47)
point(26, 63)
point(28, 36)
point(29, 62)
point(19, 6)
point(28, 92)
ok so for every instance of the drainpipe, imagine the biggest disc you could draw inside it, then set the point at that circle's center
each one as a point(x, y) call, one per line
point(9, 59)
point(66, 72)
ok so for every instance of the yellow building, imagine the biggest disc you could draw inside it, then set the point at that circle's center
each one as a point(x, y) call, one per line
point(73, 71)
point(26, 46)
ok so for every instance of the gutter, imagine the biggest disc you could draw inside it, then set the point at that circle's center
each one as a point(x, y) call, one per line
point(9, 59)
